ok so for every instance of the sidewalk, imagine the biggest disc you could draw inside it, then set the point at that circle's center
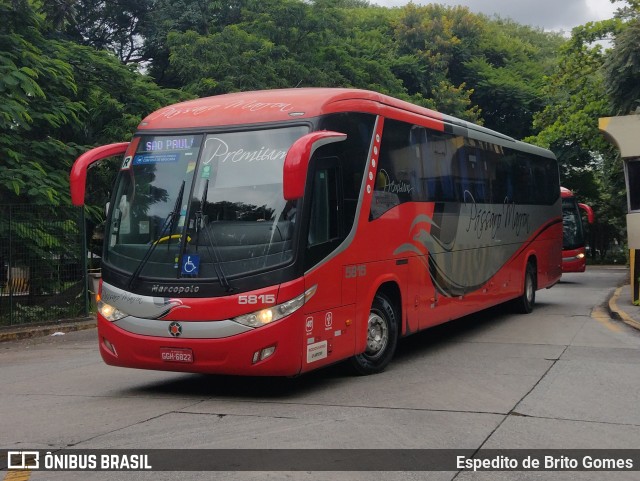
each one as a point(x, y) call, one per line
point(621, 307)
point(13, 333)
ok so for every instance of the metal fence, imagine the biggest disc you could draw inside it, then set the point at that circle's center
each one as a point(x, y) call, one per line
point(43, 264)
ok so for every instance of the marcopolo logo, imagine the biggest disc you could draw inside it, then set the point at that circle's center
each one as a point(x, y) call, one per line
point(158, 289)
point(23, 460)
point(175, 329)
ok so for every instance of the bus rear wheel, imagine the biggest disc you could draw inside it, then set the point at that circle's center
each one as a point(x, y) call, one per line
point(382, 338)
point(524, 304)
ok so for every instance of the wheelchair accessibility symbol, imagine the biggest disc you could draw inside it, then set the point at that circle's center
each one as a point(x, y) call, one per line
point(190, 264)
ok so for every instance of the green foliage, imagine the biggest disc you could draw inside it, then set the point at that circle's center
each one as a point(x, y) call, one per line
point(622, 70)
point(432, 41)
point(38, 95)
point(578, 98)
point(507, 71)
point(286, 44)
point(59, 98)
point(568, 125)
point(114, 25)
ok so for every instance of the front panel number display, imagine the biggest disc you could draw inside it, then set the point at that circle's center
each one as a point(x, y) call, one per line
point(257, 299)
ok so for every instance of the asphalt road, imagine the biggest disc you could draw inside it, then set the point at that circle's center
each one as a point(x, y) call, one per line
point(564, 377)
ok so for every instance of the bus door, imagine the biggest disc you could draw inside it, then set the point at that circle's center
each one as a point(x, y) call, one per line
point(329, 318)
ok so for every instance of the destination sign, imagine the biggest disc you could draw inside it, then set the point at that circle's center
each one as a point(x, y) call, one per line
point(169, 143)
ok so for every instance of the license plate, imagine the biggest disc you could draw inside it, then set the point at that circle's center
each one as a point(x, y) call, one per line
point(170, 354)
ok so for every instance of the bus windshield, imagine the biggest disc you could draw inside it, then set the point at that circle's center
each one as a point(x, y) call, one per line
point(572, 233)
point(205, 206)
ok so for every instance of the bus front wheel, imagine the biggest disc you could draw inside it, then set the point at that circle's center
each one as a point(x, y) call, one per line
point(382, 338)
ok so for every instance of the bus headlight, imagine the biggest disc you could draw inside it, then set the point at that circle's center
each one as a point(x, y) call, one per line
point(580, 256)
point(109, 312)
point(271, 314)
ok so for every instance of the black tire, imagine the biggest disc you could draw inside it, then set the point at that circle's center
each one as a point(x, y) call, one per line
point(524, 304)
point(382, 338)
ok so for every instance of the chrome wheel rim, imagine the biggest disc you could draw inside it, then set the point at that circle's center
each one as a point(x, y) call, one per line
point(377, 335)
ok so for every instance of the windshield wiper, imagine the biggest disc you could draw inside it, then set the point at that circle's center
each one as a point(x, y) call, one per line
point(174, 215)
point(200, 212)
point(217, 265)
point(169, 223)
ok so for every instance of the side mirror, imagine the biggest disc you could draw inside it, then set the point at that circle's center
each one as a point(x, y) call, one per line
point(78, 176)
point(590, 216)
point(296, 163)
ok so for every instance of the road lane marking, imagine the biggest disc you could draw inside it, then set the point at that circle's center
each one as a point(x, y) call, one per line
point(21, 475)
point(619, 313)
point(603, 317)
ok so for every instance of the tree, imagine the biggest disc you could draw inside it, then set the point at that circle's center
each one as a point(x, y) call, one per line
point(171, 16)
point(622, 66)
point(569, 126)
point(429, 42)
point(58, 99)
point(38, 98)
point(114, 25)
point(286, 44)
point(506, 66)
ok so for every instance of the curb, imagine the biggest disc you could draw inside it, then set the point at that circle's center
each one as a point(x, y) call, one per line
point(618, 313)
point(28, 332)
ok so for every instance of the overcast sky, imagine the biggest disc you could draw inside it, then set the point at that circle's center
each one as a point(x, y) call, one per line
point(547, 14)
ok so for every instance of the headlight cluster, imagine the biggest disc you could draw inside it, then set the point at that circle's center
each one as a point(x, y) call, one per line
point(254, 319)
point(271, 314)
point(109, 312)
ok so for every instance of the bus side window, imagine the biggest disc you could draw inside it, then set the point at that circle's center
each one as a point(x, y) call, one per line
point(438, 162)
point(523, 178)
point(395, 184)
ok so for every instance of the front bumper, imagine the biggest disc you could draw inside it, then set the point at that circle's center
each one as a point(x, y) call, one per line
point(234, 355)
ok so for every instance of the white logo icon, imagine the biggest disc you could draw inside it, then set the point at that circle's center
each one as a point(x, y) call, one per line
point(328, 320)
point(189, 266)
point(25, 459)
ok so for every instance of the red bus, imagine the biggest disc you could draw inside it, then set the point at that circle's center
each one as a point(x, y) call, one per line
point(573, 238)
point(276, 232)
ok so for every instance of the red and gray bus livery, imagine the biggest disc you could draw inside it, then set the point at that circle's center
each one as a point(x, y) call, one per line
point(276, 232)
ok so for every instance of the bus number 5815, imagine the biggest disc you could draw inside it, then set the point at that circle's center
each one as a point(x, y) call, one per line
point(253, 299)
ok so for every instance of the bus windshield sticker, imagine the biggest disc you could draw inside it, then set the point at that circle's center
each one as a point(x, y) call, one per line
point(240, 161)
point(145, 159)
point(218, 150)
point(190, 265)
point(126, 163)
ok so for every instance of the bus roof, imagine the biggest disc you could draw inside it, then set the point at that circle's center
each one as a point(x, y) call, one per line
point(272, 106)
point(279, 105)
